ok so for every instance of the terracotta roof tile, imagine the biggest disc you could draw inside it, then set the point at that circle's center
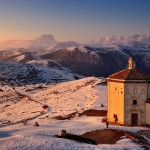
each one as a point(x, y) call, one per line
point(130, 74)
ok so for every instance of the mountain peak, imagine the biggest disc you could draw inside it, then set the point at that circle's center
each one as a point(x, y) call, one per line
point(46, 38)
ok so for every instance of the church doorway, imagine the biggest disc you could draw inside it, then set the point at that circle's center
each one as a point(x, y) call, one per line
point(134, 119)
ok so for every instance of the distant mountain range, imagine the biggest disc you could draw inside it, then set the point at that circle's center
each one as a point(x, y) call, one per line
point(44, 41)
point(143, 40)
point(98, 58)
point(47, 41)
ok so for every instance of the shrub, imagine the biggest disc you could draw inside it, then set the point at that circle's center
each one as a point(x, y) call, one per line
point(24, 122)
point(36, 124)
point(45, 106)
point(104, 120)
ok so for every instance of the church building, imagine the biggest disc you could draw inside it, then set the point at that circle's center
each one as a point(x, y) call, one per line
point(129, 96)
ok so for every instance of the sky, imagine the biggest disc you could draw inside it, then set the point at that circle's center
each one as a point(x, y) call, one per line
point(73, 20)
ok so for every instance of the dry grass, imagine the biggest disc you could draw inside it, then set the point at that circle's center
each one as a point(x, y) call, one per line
point(106, 136)
point(111, 136)
point(90, 112)
point(66, 117)
point(93, 112)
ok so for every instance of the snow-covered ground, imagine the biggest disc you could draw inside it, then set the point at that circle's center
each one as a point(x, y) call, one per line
point(22, 74)
point(20, 137)
point(19, 58)
point(61, 99)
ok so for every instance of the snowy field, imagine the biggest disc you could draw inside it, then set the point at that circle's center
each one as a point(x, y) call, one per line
point(20, 137)
point(26, 102)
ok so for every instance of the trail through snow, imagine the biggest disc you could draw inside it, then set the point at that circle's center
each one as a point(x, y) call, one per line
point(49, 108)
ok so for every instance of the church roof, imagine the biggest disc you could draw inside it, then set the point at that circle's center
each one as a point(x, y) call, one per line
point(130, 74)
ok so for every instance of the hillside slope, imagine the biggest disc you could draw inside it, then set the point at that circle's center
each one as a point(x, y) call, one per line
point(22, 74)
point(62, 98)
point(85, 61)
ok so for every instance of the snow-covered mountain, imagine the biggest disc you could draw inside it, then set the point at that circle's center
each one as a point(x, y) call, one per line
point(122, 40)
point(16, 74)
point(43, 41)
point(83, 60)
point(63, 45)
point(103, 58)
point(46, 41)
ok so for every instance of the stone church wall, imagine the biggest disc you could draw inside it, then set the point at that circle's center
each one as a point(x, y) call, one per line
point(138, 92)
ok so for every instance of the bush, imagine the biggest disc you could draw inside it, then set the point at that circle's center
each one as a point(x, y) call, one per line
point(104, 120)
point(24, 122)
point(36, 124)
point(45, 106)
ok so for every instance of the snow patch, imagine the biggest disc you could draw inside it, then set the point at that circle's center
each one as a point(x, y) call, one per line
point(19, 58)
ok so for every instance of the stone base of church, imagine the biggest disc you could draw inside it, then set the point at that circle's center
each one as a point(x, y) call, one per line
point(115, 123)
point(123, 123)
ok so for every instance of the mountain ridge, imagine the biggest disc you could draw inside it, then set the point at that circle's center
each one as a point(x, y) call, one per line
point(48, 41)
point(84, 60)
point(122, 40)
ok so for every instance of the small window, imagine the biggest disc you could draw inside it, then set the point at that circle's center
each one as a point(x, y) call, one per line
point(134, 102)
